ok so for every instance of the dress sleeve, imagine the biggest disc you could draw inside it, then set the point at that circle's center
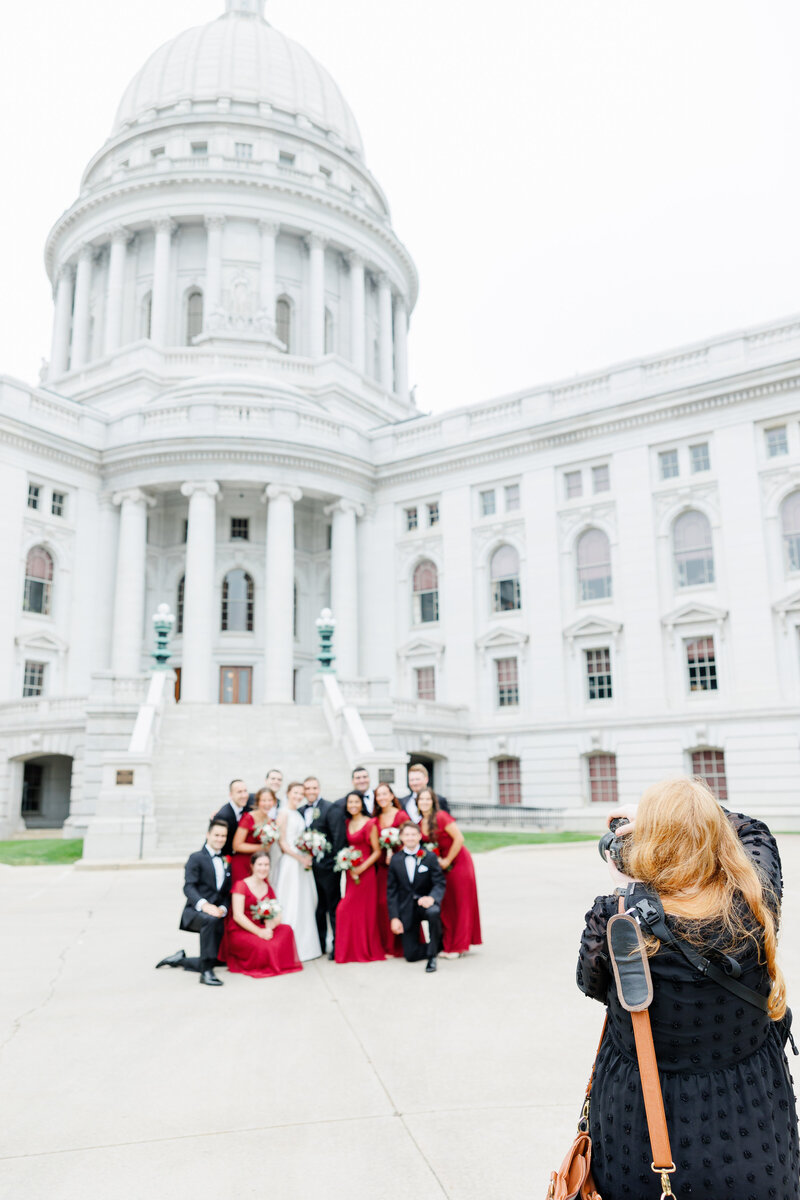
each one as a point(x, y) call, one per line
point(239, 889)
point(761, 847)
point(594, 969)
point(444, 819)
point(247, 821)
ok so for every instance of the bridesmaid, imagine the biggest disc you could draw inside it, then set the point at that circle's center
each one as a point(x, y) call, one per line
point(389, 815)
point(357, 936)
point(461, 920)
point(252, 945)
point(245, 840)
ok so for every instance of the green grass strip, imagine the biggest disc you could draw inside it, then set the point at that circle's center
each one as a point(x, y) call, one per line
point(35, 852)
point(478, 840)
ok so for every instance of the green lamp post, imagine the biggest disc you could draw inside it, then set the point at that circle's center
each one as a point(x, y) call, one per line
point(326, 624)
point(163, 620)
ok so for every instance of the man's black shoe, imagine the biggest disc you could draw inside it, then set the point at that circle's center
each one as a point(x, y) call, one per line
point(209, 978)
point(332, 954)
point(172, 960)
point(431, 966)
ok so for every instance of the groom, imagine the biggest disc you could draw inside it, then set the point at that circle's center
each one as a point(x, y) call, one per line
point(207, 887)
point(414, 893)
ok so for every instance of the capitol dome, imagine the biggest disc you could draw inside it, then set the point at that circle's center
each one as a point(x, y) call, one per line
point(241, 60)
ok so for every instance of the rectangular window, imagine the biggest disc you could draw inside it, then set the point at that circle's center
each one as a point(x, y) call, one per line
point(33, 679)
point(573, 484)
point(701, 664)
point(668, 464)
point(327, 172)
point(425, 683)
point(709, 765)
point(33, 495)
point(512, 497)
point(240, 529)
point(776, 441)
point(185, 531)
point(433, 513)
point(699, 458)
point(286, 159)
point(509, 782)
point(598, 674)
point(601, 478)
point(243, 149)
point(488, 504)
point(507, 682)
point(58, 503)
point(157, 152)
point(603, 778)
point(199, 149)
point(412, 518)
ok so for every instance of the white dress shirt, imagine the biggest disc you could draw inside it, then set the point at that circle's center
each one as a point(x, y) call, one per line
point(411, 864)
point(412, 810)
point(219, 875)
point(369, 800)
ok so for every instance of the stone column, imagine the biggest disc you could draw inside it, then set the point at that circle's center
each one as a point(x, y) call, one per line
point(316, 308)
point(213, 289)
point(126, 641)
point(344, 584)
point(59, 351)
point(269, 234)
point(279, 593)
point(161, 261)
point(385, 322)
point(401, 348)
point(116, 289)
point(199, 594)
point(357, 313)
point(80, 312)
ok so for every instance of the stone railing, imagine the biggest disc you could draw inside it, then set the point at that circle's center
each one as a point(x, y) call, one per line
point(431, 714)
point(42, 710)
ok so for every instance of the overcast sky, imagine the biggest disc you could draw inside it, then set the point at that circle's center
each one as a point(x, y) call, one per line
point(578, 181)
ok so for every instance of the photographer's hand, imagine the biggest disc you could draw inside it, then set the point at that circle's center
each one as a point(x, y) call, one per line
point(628, 811)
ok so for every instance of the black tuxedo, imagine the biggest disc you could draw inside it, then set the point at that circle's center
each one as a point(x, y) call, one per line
point(342, 800)
point(441, 800)
point(200, 883)
point(328, 885)
point(402, 896)
point(230, 818)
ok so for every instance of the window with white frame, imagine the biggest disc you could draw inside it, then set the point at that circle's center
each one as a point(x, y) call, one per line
point(709, 765)
point(240, 529)
point(507, 676)
point(601, 478)
point(157, 152)
point(283, 321)
point(58, 504)
point(199, 149)
point(701, 664)
point(693, 550)
point(573, 484)
point(179, 604)
point(426, 593)
point(330, 332)
point(285, 159)
point(594, 566)
point(488, 503)
point(425, 683)
point(433, 512)
point(243, 149)
point(603, 778)
point(598, 673)
point(512, 498)
point(509, 781)
point(33, 679)
point(776, 441)
point(38, 594)
point(699, 458)
point(237, 602)
point(790, 528)
point(668, 464)
point(504, 570)
point(412, 518)
point(146, 315)
point(194, 315)
point(34, 493)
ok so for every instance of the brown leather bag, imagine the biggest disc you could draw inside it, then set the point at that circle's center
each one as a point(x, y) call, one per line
point(573, 1179)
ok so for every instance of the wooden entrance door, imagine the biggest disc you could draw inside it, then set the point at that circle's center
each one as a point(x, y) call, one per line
point(236, 685)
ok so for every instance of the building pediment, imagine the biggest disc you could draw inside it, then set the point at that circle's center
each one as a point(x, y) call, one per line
point(41, 639)
point(502, 639)
point(420, 647)
point(694, 613)
point(591, 626)
point(789, 604)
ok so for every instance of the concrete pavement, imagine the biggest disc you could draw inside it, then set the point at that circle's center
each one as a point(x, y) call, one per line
point(375, 1080)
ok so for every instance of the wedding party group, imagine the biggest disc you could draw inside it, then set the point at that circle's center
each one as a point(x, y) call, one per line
point(369, 876)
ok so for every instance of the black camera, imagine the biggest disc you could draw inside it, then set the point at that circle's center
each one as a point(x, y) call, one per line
point(617, 847)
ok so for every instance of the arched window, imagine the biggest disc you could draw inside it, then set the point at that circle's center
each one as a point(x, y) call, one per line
point(283, 322)
point(693, 548)
point(237, 602)
point(194, 315)
point(790, 524)
point(504, 570)
point(328, 331)
point(146, 314)
point(38, 593)
point(179, 605)
point(426, 593)
point(594, 566)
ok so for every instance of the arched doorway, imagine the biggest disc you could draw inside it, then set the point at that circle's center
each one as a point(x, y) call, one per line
point(46, 785)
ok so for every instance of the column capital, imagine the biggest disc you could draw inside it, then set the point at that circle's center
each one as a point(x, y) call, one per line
point(354, 260)
point(164, 225)
point(346, 506)
point(133, 496)
point(119, 235)
point(269, 228)
point(209, 486)
point(315, 241)
point(383, 280)
point(214, 221)
point(65, 271)
point(274, 491)
point(86, 252)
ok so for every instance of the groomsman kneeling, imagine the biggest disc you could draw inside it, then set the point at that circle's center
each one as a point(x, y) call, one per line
point(206, 887)
point(414, 892)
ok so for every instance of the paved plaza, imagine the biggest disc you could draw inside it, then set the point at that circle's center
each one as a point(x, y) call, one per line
point(339, 1082)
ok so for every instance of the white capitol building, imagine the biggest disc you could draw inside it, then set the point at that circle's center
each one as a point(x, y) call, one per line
point(552, 598)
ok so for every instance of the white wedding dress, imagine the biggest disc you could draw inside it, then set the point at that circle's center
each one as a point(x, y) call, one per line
point(297, 894)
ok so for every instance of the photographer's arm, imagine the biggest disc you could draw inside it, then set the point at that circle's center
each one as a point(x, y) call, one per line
point(761, 847)
point(594, 971)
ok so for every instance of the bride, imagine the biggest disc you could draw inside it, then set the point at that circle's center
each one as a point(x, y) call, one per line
point(295, 888)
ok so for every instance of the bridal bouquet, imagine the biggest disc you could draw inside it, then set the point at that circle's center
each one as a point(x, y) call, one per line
point(314, 843)
point(346, 859)
point(266, 833)
point(265, 910)
point(389, 838)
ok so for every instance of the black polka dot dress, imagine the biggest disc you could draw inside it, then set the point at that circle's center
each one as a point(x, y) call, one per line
point(725, 1079)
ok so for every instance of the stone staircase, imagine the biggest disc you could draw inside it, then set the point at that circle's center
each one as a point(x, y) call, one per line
point(201, 747)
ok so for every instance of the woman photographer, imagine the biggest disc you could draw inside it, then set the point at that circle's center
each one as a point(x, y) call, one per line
point(724, 1076)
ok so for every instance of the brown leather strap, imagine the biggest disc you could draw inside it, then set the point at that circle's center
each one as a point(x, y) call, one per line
point(594, 1064)
point(651, 1090)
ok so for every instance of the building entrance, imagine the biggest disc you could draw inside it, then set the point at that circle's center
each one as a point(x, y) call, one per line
point(46, 785)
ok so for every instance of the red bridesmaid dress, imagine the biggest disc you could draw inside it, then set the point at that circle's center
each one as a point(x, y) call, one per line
point(357, 936)
point(461, 919)
point(247, 954)
point(240, 863)
point(392, 943)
